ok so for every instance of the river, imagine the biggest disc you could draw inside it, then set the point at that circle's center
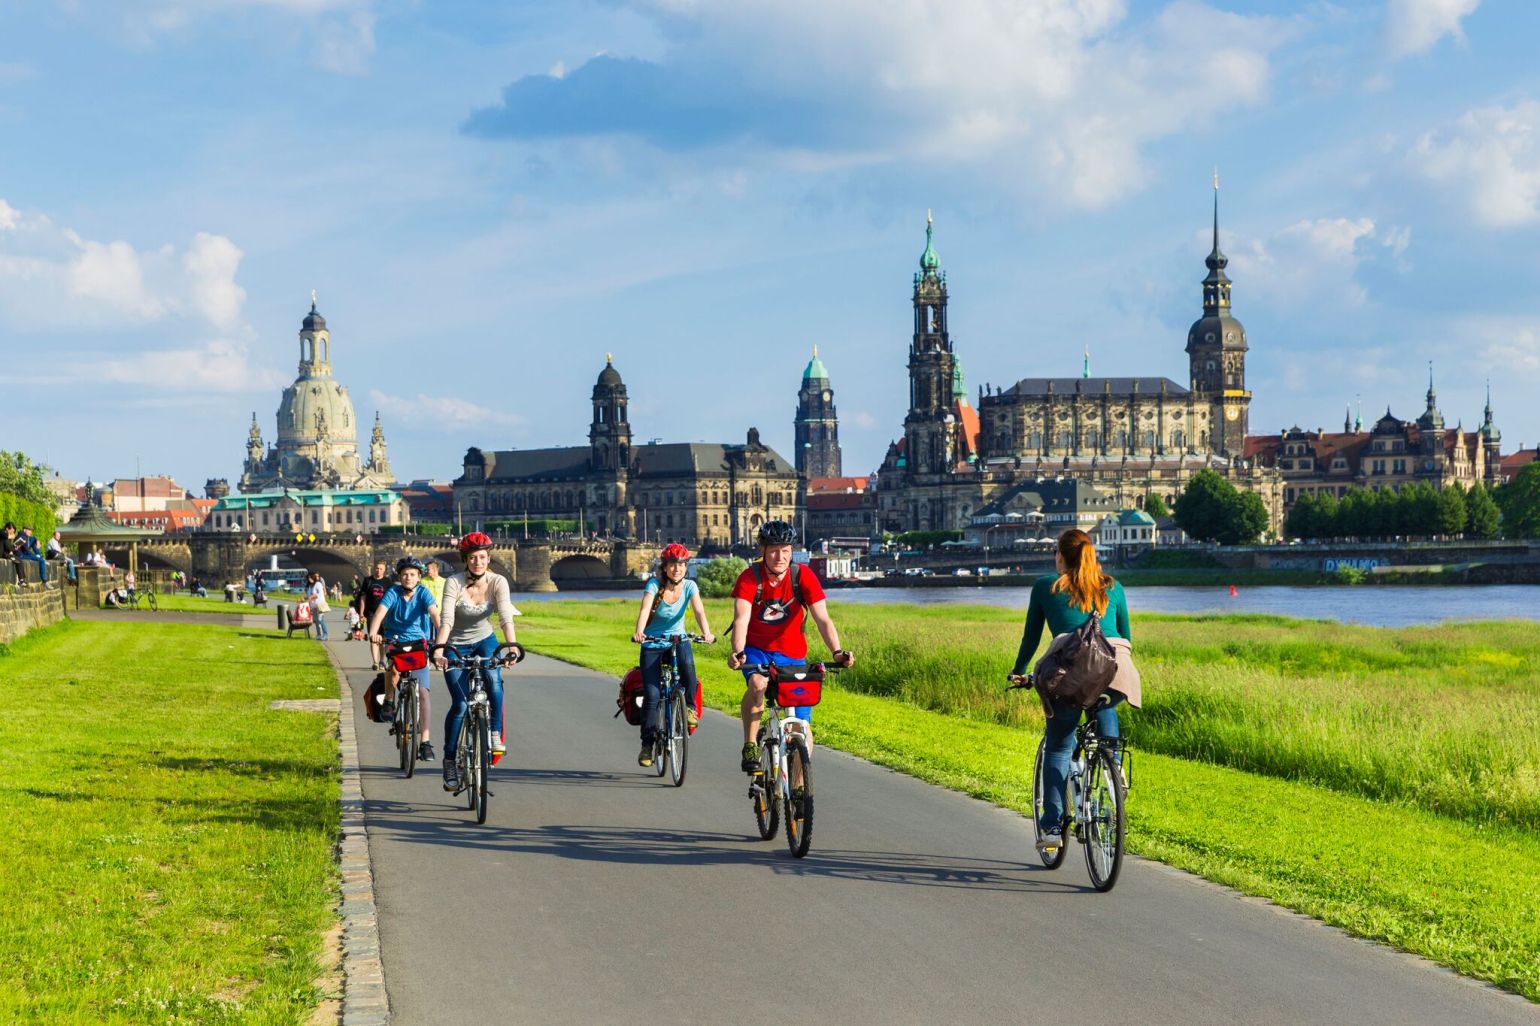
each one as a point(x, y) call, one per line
point(1399, 606)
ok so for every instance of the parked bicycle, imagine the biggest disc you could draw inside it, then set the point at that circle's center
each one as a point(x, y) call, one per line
point(784, 780)
point(1095, 795)
point(473, 750)
point(671, 741)
point(123, 598)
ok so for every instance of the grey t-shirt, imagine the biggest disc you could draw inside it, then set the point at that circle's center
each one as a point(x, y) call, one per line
point(469, 622)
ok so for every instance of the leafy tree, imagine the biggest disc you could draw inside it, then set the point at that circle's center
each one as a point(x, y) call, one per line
point(1304, 517)
point(1155, 506)
point(1481, 516)
point(1450, 509)
point(717, 577)
point(1325, 515)
point(20, 476)
point(1210, 509)
point(1521, 504)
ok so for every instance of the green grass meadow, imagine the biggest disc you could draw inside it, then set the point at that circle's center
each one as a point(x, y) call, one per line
point(169, 847)
point(1386, 781)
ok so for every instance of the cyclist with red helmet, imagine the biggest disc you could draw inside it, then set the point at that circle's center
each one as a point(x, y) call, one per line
point(471, 598)
point(771, 600)
point(662, 615)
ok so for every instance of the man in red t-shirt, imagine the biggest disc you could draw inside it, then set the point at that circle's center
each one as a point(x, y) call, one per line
point(768, 631)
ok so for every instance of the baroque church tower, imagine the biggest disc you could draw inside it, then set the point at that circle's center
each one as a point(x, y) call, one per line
point(817, 426)
point(929, 426)
point(1216, 353)
point(609, 449)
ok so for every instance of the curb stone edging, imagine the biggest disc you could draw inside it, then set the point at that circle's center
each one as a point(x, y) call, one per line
point(364, 1001)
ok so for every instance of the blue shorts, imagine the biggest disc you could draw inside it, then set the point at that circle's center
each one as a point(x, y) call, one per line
point(761, 657)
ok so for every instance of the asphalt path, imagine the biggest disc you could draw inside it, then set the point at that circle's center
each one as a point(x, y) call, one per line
point(598, 893)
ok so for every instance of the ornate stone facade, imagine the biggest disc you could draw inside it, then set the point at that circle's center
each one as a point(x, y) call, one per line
point(699, 493)
point(317, 446)
point(1127, 436)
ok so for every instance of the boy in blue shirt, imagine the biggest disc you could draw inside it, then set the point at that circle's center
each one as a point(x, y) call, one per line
point(407, 612)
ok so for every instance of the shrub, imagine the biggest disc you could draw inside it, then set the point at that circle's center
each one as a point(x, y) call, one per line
point(716, 578)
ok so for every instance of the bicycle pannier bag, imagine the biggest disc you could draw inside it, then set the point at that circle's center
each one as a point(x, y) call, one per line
point(629, 701)
point(796, 685)
point(374, 697)
point(1079, 669)
point(300, 615)
point(409, 656)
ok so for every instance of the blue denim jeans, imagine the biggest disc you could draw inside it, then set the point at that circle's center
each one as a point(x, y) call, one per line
point(42, 565)
point(1060, 737)
point(320, 623)
point(458, 695)
point(652, 684)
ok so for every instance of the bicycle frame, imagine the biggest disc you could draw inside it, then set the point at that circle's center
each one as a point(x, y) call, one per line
point(472, 752)
point(671, 684)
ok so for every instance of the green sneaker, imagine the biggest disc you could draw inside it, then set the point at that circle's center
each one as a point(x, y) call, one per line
point(750, 757)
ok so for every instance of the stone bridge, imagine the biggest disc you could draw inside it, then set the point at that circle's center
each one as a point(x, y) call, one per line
point(218, 557)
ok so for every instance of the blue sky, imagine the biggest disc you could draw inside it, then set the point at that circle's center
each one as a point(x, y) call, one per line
point(490, 197)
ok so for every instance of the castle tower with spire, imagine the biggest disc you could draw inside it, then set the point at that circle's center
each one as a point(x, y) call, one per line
point(817, 427)
point(1491, 443)
point(932, 372)
point(1216, 354)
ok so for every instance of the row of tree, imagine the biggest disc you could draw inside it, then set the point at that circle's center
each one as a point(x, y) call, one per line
point(1212, 509)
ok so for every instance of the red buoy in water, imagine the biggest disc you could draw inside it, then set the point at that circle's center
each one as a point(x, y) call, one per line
point(1232, 591)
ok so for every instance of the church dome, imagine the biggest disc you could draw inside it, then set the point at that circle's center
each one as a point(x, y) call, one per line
point(313, 320)
point(312, 405)
point(1221, 330)
point(609, 377)
point(815, 370)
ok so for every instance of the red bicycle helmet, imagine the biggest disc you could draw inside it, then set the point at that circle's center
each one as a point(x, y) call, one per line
point(675, 553)
point(474, 542)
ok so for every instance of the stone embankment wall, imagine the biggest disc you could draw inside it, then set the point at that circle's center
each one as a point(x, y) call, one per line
point(23, 609)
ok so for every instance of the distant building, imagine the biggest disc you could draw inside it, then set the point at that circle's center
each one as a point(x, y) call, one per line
point(1511, 464)
point(699, 493)
point(1391, 454)
point(431, 502)
point(843, 508)
point(1039, 509)
point(1126, 532)
point(168, 520)
point(817, 434)
point(317, 445)
point(311, 512)
point(143, 494)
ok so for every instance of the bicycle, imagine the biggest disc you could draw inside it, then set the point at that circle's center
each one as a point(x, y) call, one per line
point(1095, 795)
point(671, 741)
point(473, 750)
point(406, 725)
point(122, 598)
point(783, 754)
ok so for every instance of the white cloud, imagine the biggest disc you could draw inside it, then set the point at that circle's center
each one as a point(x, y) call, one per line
point(343, 29)
point(1491, 153)
point(1316, 260)
point(1060, 96)
point(442, 413)
point(218, 366)
point(1412, 26)
point(53, 278)
point(344, 45)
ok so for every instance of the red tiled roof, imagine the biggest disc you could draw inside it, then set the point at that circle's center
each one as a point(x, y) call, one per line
point(165, 519)
point(820, 485)
point(968, 417)
point(838, 500)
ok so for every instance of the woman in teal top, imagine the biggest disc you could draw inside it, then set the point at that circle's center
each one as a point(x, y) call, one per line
point(662, 616)
point(1064, 601)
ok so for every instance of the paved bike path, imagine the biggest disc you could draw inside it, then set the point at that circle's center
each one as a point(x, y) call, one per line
point(597, 892)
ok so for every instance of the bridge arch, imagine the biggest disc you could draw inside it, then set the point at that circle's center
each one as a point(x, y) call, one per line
point(578, 570)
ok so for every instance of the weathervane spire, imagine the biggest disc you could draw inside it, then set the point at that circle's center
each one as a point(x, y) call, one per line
point(312, 300)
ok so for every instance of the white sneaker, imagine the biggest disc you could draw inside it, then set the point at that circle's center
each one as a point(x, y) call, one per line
point(498, 748)
point(1050, 842)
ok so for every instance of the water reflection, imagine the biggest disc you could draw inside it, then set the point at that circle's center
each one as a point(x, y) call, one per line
point(1377, 606)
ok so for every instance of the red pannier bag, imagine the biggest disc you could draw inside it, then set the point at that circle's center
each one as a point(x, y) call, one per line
point(407, 656)
point(792, 686)
point(629, 701)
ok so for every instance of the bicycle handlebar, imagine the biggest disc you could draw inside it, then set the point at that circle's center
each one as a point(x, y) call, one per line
point(1020, 681)
point(671, 638)
point(766, 668)
point(506, 654)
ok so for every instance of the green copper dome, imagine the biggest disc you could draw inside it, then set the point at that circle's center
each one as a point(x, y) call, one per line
point(959, 388)
point(815, 368)
point(929, 261)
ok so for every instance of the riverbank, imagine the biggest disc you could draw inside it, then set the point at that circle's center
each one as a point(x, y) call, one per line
point(1299, 761)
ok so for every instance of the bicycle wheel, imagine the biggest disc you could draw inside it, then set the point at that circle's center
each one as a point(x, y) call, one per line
point(767, 811)
point(678, 740)
point(483, 757)
point(799, 821)
point(467, 746)
point(409, 741)
point(1054, 857)
point(1104, 821)
point(154, 603)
